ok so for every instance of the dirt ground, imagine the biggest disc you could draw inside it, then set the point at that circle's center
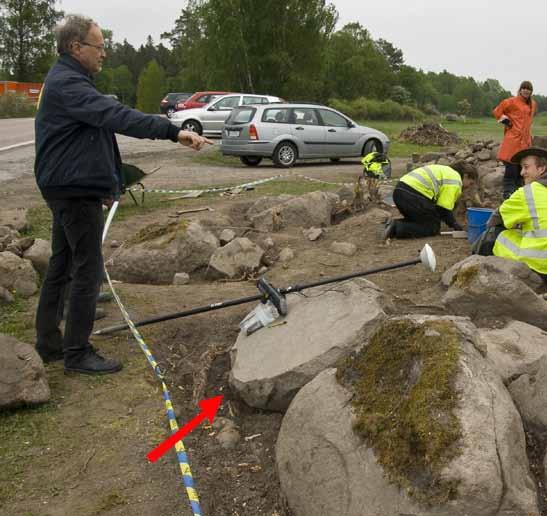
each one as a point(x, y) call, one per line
point(84, 453)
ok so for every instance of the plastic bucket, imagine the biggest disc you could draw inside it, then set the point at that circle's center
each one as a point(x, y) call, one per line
point(476, 222)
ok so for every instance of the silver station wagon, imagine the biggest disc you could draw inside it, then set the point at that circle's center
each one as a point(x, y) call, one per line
point(287, 132)
point(210, 119)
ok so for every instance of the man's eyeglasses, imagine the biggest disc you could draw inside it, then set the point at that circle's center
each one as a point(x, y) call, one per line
point(100, 48)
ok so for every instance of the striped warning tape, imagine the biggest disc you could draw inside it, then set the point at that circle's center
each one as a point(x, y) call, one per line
point(182, 457)
point(210, 190)
point(228, 188)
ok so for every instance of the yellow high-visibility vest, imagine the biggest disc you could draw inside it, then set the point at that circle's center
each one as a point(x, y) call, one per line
point(527, 207)
point(440, 183)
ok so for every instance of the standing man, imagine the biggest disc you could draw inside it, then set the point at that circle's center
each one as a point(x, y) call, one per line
point(516, 114)
point(524, 214)
point(426, 196)
point(77, 169)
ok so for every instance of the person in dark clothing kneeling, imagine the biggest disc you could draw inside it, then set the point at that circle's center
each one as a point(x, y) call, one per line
point(78, 169)
point(426, 196)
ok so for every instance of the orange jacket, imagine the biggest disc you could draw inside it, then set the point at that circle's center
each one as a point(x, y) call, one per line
point(519, 136)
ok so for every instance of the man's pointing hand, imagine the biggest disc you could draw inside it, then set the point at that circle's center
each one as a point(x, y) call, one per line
point(193, 140)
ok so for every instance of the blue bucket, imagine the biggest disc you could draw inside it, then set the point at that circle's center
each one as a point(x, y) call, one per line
point(476, 222)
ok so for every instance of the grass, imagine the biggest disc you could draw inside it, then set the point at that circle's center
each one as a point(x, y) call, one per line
point(16, 320)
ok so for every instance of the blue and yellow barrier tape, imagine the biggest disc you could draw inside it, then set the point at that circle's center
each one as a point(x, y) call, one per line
point(182, 456)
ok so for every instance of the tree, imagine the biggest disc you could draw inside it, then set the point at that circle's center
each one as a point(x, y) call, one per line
point(27, 42)
point(123, 85)
point(464, 107)
point(393, 55)
point(150, 89)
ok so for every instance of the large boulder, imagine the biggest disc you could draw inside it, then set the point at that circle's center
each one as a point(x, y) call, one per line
point(418, 423)
point(512, 349)
point(265, 203)
point(237, 258)
point(22, 374)
point(311, 210)
point(159, 251)
point(39, 254)
point(271, 365)
point(488, 294)
point(18, 274)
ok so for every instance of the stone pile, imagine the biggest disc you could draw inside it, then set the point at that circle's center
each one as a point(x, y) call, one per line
point(22, 259)
point(483, 156)
point(429, 133)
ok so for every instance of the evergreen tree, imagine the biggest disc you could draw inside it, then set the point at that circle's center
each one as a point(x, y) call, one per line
point(151, 87)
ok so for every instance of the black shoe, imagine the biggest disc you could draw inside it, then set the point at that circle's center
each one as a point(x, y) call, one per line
point(389, 231)
point(50, 356)
point(93, 363)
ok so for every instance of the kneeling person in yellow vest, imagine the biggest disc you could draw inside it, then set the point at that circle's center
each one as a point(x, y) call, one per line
point(524, 214)
point(426, 196)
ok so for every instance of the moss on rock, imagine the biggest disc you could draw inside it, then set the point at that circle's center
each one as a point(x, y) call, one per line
point(465, 276)
point(404, 401)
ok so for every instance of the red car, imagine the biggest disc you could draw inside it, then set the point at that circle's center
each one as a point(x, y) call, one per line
point(199, 99)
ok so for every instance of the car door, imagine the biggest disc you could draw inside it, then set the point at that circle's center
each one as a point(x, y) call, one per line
point(341, 138)
point(308, 131)
point(216, 114)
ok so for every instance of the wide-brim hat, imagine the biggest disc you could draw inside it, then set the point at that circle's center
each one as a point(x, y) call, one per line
point(531, 151)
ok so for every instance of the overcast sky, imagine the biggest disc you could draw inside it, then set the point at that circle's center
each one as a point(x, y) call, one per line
point(501, 39)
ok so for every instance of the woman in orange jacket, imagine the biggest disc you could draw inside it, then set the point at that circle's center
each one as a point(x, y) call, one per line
point(516, 114)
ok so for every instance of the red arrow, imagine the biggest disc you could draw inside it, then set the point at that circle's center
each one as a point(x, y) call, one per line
point(209, 409)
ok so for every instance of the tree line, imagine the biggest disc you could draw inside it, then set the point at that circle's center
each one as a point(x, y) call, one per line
point(288, 48)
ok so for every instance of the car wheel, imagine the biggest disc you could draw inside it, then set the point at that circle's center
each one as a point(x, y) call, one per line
point(193, 126)
point(335, 160)
point(251, 161)
point(170, 112)
point(371, 146)
point(285, 155)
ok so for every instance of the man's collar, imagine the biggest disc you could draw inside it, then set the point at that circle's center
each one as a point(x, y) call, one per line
point(69, 61)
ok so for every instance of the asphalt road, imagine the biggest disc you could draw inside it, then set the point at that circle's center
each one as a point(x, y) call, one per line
point(16, 130)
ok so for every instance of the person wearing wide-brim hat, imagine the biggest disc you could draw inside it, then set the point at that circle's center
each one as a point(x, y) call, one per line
point(516, 114)
point(524, 214)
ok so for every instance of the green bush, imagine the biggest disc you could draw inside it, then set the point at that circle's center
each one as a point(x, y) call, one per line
point(16, 106)
point(370, 109)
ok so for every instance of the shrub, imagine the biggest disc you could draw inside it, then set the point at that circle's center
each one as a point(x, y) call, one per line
point(16, 106)
point(370, 109)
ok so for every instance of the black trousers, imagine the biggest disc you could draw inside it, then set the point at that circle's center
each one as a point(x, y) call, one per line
point(77, 256)
point(512, 179)
point(421, 216)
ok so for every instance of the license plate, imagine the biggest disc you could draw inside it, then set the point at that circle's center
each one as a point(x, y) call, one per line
point(233, 133)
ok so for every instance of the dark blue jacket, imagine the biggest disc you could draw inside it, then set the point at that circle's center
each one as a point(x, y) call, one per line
point(76, 150)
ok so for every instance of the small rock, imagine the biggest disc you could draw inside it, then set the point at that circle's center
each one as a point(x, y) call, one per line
point(17, 219)
point(114, 244)
point(268, 243)
point(25, 243)
point(313, 233)
point(227, 236)
point(181, 278)
point(415, 157)
point(345, 248)
point(15, 248)
point(39, 254)
point(484, 155)
point(263, 270)
point(286, 255)
point(228, 438)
